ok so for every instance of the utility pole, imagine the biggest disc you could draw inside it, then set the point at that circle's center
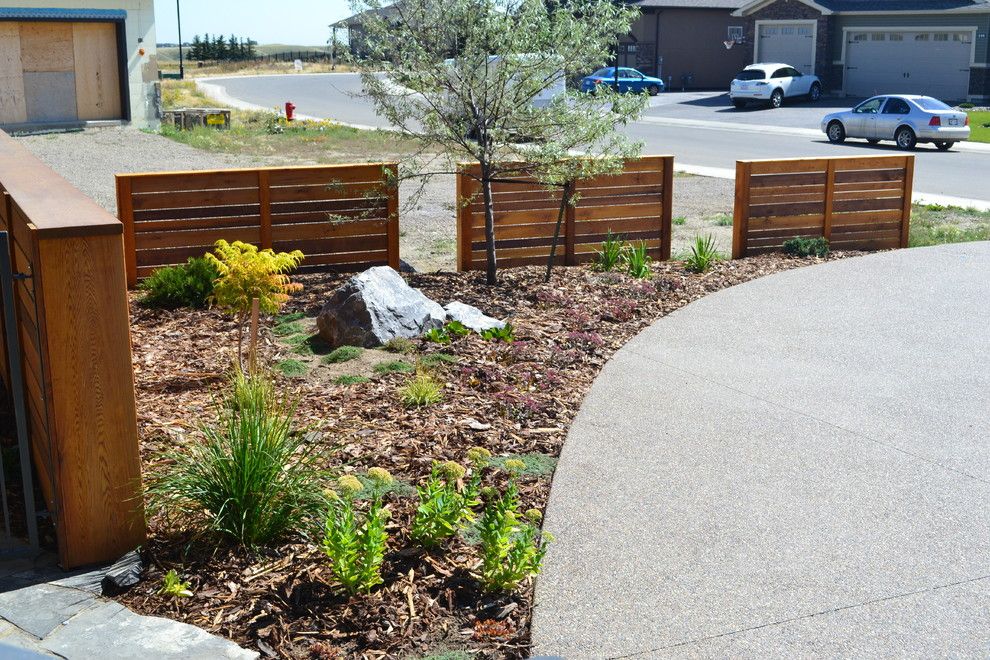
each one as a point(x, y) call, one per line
point(178, 16)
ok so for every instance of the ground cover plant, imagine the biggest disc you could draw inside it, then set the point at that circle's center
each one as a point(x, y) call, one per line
point(806, 247)
point(505, 412)
point(188, 285)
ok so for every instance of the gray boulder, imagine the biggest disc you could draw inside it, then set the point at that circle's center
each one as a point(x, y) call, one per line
point(472, 317)
point(375, 306)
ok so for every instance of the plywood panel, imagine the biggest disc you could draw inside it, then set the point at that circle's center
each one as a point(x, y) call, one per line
point(50, 96)
point(97, 73)
point(13, 109)
point(47, 47)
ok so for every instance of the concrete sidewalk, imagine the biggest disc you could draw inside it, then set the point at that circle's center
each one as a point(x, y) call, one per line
point(797, 466)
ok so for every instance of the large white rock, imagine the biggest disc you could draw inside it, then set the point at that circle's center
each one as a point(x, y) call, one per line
point(375, 306)
point(471, 317)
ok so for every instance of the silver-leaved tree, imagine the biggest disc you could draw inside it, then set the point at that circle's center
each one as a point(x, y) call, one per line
point(483, 81)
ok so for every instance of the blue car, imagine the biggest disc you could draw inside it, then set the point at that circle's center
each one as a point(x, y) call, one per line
point(630, 80)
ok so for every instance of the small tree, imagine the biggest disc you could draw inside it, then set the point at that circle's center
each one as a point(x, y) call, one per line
point(246, 274)
point(469, 78)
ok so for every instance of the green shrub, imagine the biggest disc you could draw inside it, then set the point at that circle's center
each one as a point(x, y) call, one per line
point(679, 220)
point(394, 367)
point(172, 585)
point(252, 479)
point(423, 390)
point(722, 220)
point(505, 334)
point(704, 254)
point(444, 506)
point(611, 253)
point(292, 368)
point(637, 260)
point(348, 379)
point(512, 548)
point(806, 247)
point(967, 105)
point(188, 285)
point(437, 336)
point(457, 329)
point(400, 345)
point(342, 354)
point(355, 543)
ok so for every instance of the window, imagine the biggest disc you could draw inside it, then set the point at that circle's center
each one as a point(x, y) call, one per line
point(751, 74)
point(735, 33)
point(940, 36)
point(921, 36)
point(878, 36)
point(962, 37)
point(896, 106)
point(896, 36)
point(793, 73)
point(869, 106)
point(781, 73)
point(804, 31)
point(860, 36)
point(928, 103)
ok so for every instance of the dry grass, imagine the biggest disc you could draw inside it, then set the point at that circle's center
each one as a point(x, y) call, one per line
point(192, 70)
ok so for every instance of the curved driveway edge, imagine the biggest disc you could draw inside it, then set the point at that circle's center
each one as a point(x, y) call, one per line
point(796, 466)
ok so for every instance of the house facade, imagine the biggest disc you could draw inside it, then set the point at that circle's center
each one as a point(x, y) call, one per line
point(77, 62)
point(684, 42)
point(866, 47)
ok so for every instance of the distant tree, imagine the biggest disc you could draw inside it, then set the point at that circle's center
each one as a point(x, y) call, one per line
point(233, 48)
point(481, 104)
point(219, 48)
point(196, 50)
point(251, 51)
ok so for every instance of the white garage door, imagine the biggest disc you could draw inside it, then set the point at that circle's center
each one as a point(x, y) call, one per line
point(931, 63)
point(790, 43)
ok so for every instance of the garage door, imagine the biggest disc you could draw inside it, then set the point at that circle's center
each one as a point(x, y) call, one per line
point(790, 43)
point(898, 62)
point(58, 72)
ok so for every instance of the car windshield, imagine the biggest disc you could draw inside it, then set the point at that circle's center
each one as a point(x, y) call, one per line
point(926, 103)
point(603, 73)
point(751, 74)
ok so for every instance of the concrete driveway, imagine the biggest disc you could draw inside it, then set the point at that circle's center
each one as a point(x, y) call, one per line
point(794, 467)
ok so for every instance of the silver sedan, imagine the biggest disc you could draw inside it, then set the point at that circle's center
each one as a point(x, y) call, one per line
point(906, 119)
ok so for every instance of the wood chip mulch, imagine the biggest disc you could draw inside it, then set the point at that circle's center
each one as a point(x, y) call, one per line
point(517, 398)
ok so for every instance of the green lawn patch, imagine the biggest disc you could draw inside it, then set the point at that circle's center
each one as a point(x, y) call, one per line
point(292, 368)
point(342, 354)
point(932, 224)
point(394, 367)
point(979, 126)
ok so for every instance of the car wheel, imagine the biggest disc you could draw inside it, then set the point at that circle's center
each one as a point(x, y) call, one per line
point(873, 141)
point(777, 98)
point(905, 138)
point(653, 90)
point(943, 145)
point(816, 92)
point(739, 104)
point(836, 132)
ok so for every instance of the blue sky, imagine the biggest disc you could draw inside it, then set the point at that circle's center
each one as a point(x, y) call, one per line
point(298, 22)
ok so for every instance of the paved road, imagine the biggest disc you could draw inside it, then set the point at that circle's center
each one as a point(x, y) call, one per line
point(793, 467)
point(958, 174)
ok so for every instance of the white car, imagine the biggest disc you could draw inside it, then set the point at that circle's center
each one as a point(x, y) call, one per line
point(772, 83)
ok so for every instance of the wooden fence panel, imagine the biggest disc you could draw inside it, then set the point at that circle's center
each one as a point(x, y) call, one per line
point(72, 320)
point(635, 204)
point(857, 203)
point(341, 216)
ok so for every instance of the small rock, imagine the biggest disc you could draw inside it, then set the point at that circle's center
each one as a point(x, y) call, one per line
point(471, 317)
point(475, 425)
point(124, 574)
point(374, 307)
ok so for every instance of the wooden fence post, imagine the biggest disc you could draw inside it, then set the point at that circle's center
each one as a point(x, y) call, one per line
point(829, 196)
point(740, 216)
point(125, 213)
point(465, 231)
point(666, 214)
point(570, 258)
point(391, 176)
point(906, 207)
point(265, 201)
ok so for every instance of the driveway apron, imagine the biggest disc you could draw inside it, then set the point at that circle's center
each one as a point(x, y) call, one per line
point(796, 466)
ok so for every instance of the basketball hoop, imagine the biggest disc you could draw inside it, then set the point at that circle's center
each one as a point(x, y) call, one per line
point(728, 43)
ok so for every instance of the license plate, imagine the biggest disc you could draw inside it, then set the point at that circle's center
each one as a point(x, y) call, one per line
point(953, 122)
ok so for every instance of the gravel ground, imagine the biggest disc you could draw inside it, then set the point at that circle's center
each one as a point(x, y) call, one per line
point(90, 159)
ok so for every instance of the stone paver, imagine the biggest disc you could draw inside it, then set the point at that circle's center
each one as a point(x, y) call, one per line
point(793, 467)
point(48, 613)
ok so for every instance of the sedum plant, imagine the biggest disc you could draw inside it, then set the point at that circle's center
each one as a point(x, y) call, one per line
point(512, 549)
point(247, 273)
point(354, 542)
point(445, 503)
point(252, 480)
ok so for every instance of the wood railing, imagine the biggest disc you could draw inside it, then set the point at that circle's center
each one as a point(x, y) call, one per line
point(635, 204)
point(72, 320)
point(342, 217)
point(857, 203)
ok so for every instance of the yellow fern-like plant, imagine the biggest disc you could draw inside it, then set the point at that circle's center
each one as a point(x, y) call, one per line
point(246, 273)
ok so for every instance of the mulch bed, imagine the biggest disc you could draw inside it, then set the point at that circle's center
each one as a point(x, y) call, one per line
point(513, 399)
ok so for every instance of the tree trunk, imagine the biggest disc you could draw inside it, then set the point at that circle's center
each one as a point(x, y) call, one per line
point(486, 189)
point(565, 199)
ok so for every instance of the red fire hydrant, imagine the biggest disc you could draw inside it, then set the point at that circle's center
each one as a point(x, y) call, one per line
point(290, 110)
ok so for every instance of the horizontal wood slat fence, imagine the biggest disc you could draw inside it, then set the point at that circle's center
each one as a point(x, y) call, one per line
point(857, 203)
point(342, 217)
point(635, 204)
point(74, 329)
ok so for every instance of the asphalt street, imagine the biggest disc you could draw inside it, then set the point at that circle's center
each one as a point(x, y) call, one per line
point(700, 129)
